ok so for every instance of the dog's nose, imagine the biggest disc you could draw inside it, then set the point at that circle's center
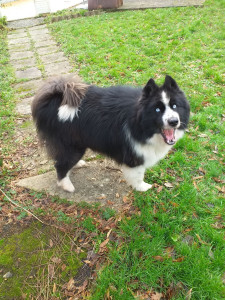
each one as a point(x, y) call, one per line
point(173, 122)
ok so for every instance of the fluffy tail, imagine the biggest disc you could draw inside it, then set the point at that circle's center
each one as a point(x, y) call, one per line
point(69, 89)
point(56, 102)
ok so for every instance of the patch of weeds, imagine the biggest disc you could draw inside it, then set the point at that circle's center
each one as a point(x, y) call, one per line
point(108, 213)
point(88, 224)
point(62, 217)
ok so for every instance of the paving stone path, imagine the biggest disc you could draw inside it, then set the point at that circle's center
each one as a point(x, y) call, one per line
point(35, 56)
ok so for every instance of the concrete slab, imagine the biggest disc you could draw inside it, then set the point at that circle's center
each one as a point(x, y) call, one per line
point(42, 37)
point(141, 4)
point(25, 23)
point(58, 68)
point(49, 42)
point(17, 41)
point(30, 73)
point(100, 182)
point(21, 63)
point(15, 34)
point(24, 107)
point(19, 47)
point(38, 32)
point(38, 27)
point(47, 50)
point(21, 55)
point(53, 57)
point(28, 86)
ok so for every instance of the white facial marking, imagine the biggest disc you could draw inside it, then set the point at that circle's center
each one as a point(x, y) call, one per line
point(165, 98)
point(66, 113)
point(169, 112)
point(66, 184)
point(135, 176)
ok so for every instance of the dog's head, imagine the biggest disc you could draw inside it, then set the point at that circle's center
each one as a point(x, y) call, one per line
point(163, 109)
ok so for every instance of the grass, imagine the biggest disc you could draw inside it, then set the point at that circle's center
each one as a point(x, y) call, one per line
point(175, 241)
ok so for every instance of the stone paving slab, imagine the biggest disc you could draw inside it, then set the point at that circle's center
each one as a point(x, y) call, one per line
point(39, 32)
point(28, 86)
point(58, 68)
point(142, 4)
point(45, 43)
point(22, 41)
point(42, 37)
point(25, 23)
point(53, 57)
point(21, 55)
point(16, 34)
point(21, 63)
point(47, 50)
point(30, 73)
point(38, 27)
point(94, 183)
point(19, 47)
point(24, 107)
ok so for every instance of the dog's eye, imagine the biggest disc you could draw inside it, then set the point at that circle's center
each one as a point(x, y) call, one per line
point(157, 109)
point(174, 106)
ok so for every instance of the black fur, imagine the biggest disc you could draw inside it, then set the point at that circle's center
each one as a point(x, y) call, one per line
point(105, 115)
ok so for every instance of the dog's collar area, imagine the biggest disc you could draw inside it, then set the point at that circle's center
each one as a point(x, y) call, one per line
point(168, 136)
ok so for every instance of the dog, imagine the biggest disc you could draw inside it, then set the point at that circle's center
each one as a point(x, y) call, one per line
point(134, 126)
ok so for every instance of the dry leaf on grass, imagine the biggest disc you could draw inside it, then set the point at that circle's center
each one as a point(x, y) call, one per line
point(103, 244)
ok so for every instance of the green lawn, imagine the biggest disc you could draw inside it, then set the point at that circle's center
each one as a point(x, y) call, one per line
point(171, 241)
point(174, 243)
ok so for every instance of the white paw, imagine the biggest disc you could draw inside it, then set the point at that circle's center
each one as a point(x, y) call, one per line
point(143, 187)
point(66, 185)
point(81, 163)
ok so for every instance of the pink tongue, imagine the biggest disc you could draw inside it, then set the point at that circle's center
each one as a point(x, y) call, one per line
point(169, 134)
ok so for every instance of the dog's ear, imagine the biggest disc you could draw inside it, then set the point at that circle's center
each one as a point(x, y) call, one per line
point(170, 83)
point(150, 88)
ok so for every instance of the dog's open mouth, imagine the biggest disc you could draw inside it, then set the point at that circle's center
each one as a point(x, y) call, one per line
point(169, 136)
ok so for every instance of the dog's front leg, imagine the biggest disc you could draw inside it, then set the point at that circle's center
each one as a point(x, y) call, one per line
point(135, 177)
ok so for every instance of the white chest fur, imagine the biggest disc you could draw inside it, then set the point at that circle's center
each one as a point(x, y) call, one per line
point(155, 148)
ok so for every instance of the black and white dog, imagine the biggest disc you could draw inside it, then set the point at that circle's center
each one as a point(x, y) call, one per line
point(136, 127)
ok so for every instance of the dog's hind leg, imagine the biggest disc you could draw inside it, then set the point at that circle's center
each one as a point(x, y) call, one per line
point(135, 177)
point(63, 166)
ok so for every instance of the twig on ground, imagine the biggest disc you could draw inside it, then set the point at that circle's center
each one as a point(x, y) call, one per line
point(27, 211)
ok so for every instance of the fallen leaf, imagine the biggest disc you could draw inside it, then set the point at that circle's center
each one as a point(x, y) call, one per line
point(168, 185)
point(156, 296)
point(221, 190)
point(51, 271)
point(103, 196)
point(179, 259)
point(159, 189)
point(56, 260)
point(203, 135)
point(218, 225)
point(188, 295)
point(103, 244)
point(51, 243)
point(158, 257)
point(70, 284)
point(200, 240)
point(125, 199)
point(195, 185)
